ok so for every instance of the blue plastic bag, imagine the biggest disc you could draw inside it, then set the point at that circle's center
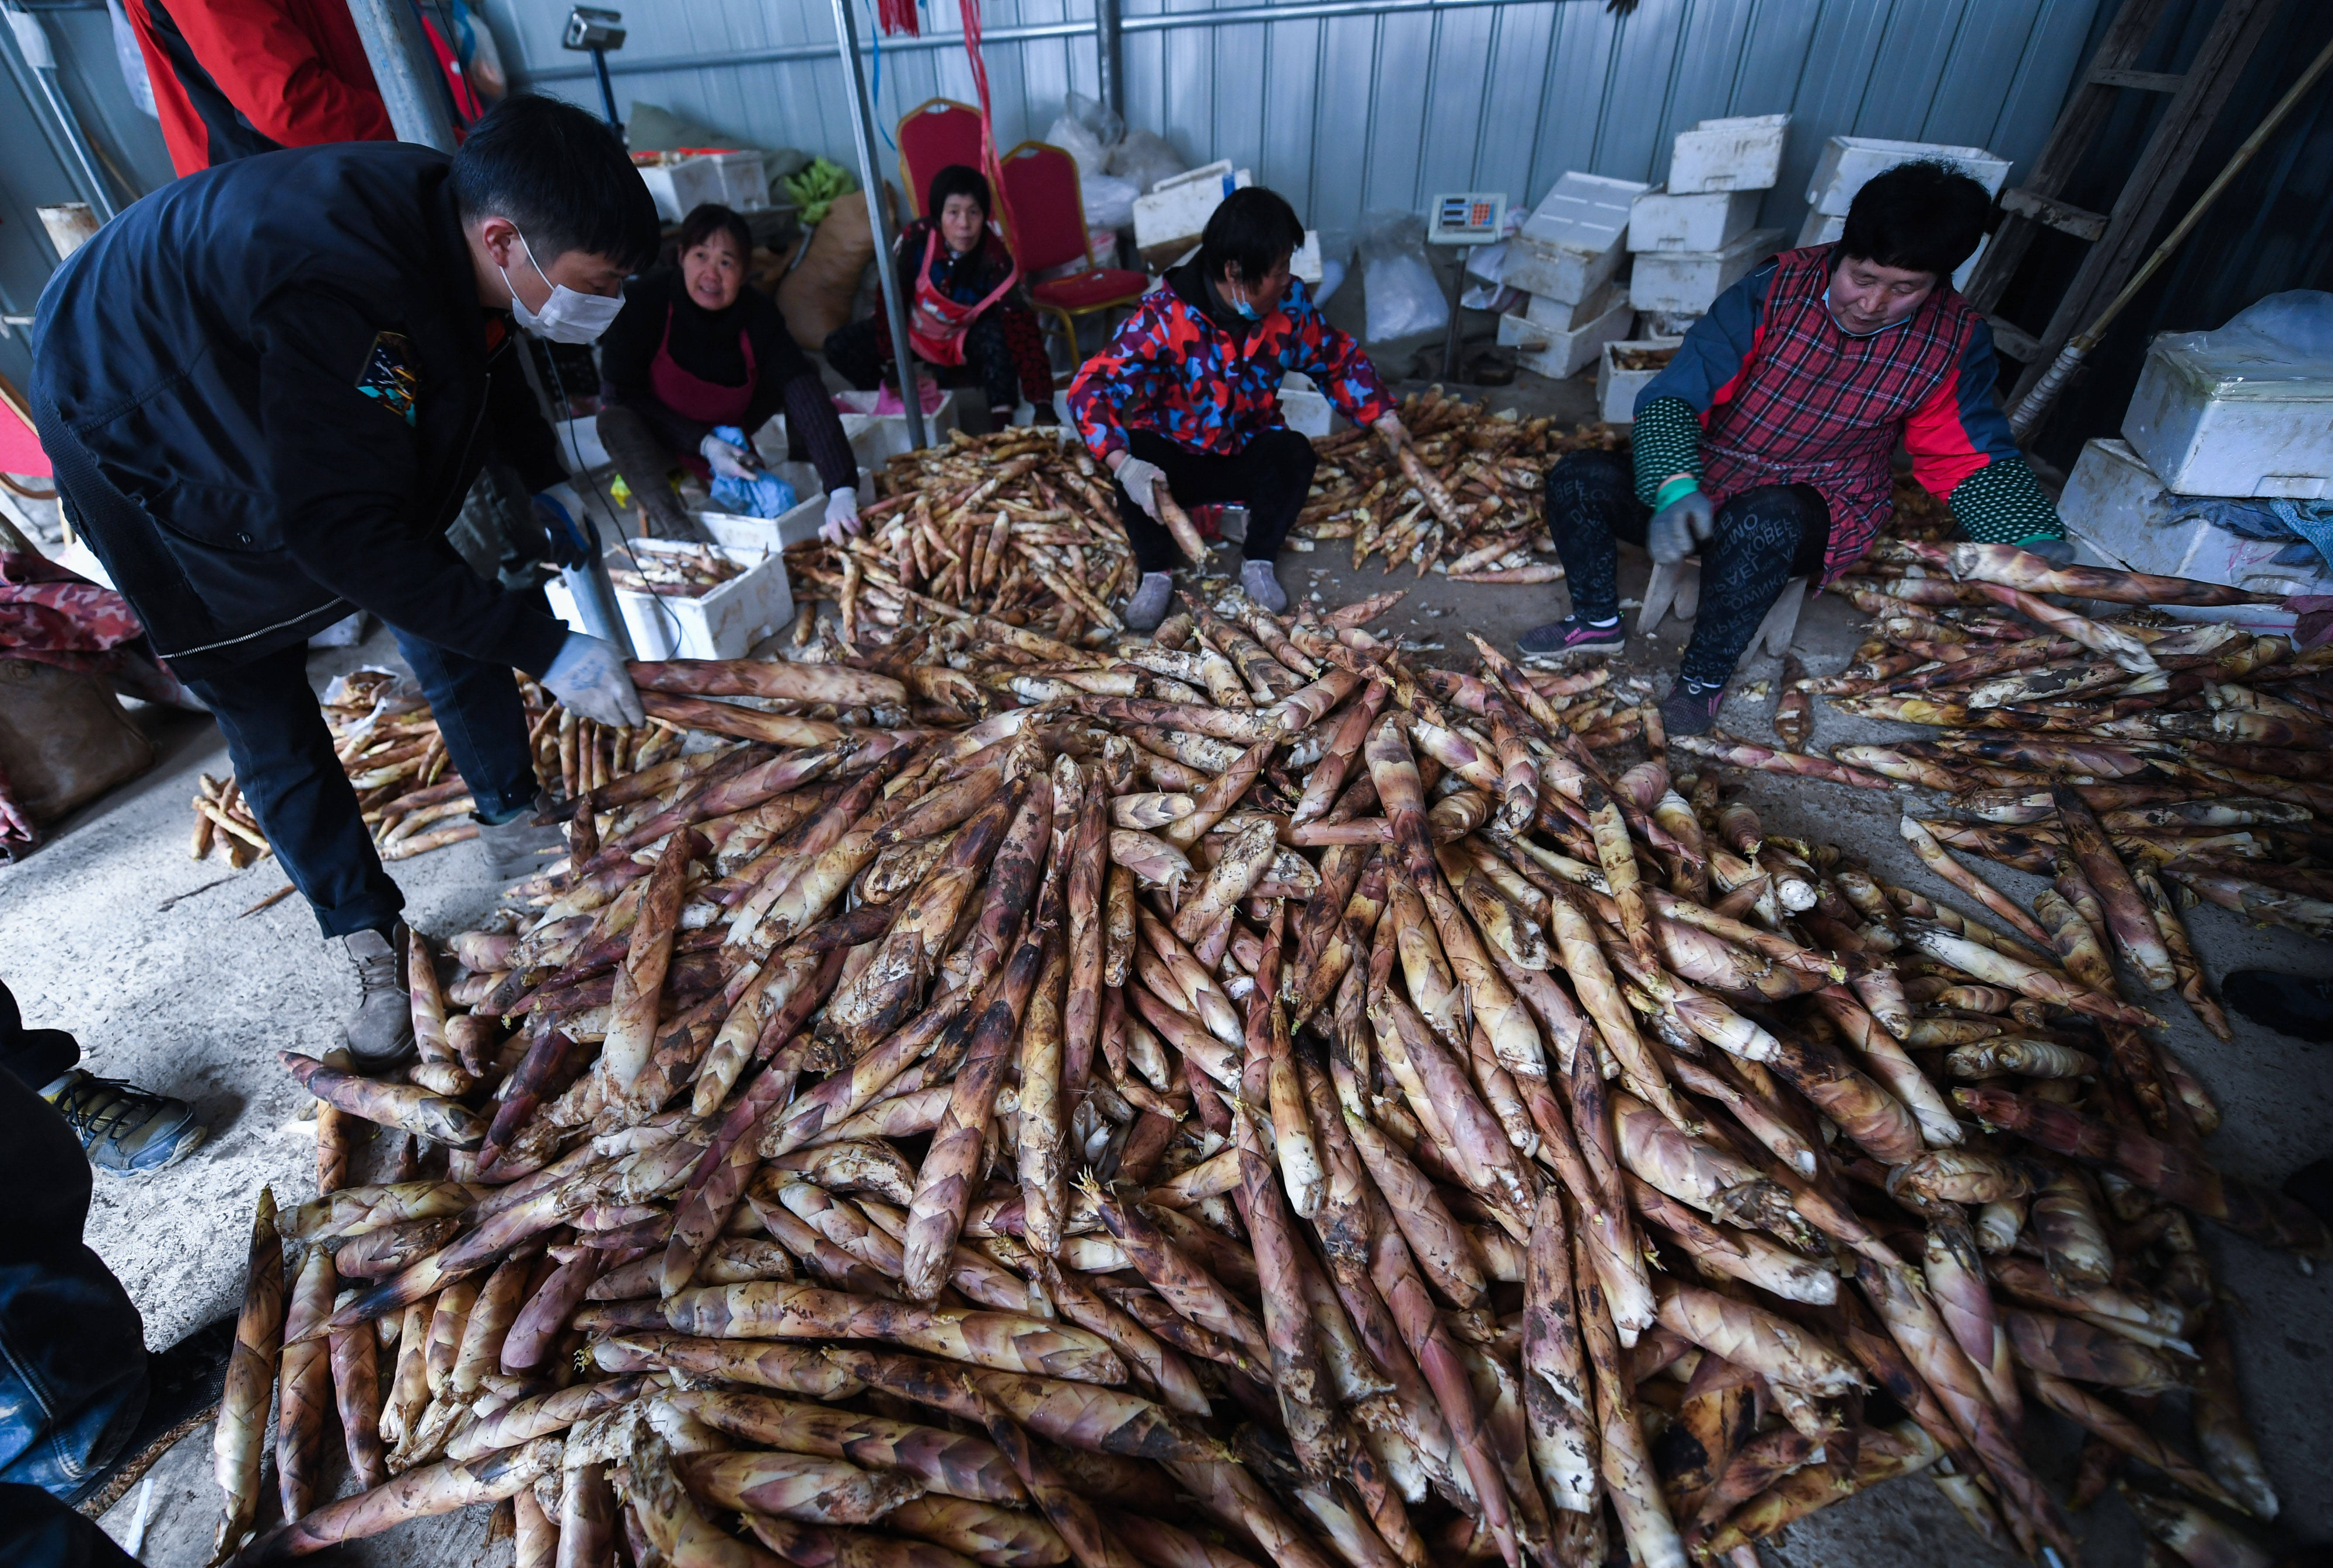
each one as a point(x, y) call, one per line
point(764, 496)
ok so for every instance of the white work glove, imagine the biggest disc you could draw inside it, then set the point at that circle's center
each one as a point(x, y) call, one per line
point(841, 514)
point(1138, 477)
point(1396, 434)
point(589, 676)
point(727, 459)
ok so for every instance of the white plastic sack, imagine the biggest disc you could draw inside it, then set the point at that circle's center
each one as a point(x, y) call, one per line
point(1087, 132)
point(1110, 200)
point(1146, 157)
point(1404, 297)
point(2286, 337)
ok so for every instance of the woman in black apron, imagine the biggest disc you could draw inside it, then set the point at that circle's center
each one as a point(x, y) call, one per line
point(695, 349)
point(965, 310)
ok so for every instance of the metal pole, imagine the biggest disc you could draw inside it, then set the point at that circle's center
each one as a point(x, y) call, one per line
point(1450, 343)
point(607, 87)
point(862, 132)
point(391, 44)
point(1110, 57)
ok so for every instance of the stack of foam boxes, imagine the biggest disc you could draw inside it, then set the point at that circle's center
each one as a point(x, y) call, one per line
point(1696, 234)
point(1568, 258)
point(1848, 163)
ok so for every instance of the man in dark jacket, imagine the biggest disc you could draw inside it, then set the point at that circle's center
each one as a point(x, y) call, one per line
point(265, 389)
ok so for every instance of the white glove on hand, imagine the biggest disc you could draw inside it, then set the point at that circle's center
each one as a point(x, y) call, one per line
point(1396, 434)
point(589, 676)
point(1138, 477)
point(727, 460)
point(841, 514)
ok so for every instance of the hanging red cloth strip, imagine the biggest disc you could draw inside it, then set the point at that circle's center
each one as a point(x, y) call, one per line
point(897, 16)
point(970, 11)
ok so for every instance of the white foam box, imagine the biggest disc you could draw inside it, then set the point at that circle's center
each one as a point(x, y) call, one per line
point(2222, 422)
point(1575, 239)
point(1177, 210)
point(1305, 263)
point(2117, 515)
point(1848, 162)
point(1659, 221)
point(723, 623)
point(734, 179)
point(1689, 281)
point(797, 522)
point(1556, 355)
point(1741, 153)
point(1616, 390)
point(1302, 405)
point(875, 438)
point(1670, 323)
point(1566, 315)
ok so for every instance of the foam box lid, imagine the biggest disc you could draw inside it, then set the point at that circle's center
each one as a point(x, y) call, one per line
point(1585, 212)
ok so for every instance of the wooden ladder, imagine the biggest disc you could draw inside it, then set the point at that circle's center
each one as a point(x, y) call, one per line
point(2118, 240)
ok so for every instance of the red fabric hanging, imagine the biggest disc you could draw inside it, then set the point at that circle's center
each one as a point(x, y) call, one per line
point(990, 166)
point(897, 16)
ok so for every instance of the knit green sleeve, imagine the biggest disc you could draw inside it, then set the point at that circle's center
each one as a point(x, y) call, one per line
point(1668, 440)
point(1999, 503)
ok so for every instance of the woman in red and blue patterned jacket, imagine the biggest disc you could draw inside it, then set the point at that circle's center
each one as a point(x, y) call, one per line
point(1766, 444)
point(1186, 396)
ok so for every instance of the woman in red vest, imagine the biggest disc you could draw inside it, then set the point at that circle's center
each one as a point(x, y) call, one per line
point(1765, 446)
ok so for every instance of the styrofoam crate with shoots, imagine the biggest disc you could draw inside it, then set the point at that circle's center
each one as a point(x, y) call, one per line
point(724, 622)
point(1690, 281)
point(1575, 239)
point(1849, 163)
point(1659, 221)
point(1625, 368)
point(1544, 351)
point(1742, 152)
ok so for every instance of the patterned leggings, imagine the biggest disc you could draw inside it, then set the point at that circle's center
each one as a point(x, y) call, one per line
point(1762, 538)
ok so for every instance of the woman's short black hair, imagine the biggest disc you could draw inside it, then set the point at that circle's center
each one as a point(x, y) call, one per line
point(958, 179)
point(562, 176)
point(707, 219)
point(1254, 231)
point(1925, 217)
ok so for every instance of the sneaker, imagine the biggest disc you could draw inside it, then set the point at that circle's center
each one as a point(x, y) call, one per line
point(1262, 585)
point(1691, 708)
point(2286, 1003)
point(380, 1029)
point(1573, 634)
point(1148, 605)
point(124, 1130)
point(522, 846)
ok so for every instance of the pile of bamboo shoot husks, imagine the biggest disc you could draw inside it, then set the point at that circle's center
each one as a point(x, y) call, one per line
point(1016, 525)
point(1463, 499)
point(1329, 1120)
point(2156, 762)
point(388, 743)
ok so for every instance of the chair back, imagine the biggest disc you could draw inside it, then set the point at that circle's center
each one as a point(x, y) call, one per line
point(20, 444)
point(1048, 206)
point(932, 136)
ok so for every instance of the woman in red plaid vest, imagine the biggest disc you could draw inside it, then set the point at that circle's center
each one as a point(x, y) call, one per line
point(1765, 444)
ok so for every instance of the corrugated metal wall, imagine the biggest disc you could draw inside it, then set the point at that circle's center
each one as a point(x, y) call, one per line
point(1344, 114)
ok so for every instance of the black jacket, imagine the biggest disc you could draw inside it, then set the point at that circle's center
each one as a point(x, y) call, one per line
point(283, 364)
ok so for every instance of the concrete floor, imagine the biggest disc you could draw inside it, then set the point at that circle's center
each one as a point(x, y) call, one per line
point(192, 1000)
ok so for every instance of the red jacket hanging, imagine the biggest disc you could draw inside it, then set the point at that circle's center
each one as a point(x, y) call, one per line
point(235, 78)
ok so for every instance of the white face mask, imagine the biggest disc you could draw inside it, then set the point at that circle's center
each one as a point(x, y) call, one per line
point(570, 315)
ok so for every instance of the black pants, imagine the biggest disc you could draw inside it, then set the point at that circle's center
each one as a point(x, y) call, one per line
point(1271, 475)
point(860, 353)
point(1761, 539)
point(645, 459)
point(285, 762)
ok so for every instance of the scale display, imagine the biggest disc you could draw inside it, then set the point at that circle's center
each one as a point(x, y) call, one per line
point(1466, 219)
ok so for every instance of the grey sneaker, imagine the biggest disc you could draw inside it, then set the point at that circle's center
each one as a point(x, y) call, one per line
point(1574, 634)
point(1148, 605)
point(1691, 708)
point(124, 1130)
point(1262, 585)
point(380, 1029)
point(519, 847)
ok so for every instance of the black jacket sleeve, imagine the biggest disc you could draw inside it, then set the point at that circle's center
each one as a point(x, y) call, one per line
point(345, 470)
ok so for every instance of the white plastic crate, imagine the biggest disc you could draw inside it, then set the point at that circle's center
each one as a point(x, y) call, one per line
point(2118, 514)
point(2224, 421)
point(1847, 162)
point(1575, 239)
point(1177, 210)
point(1679, 281)
point(1616, 390)
point(1660, 221)
point(1744, 152)
point(1556, 355)
point(722, 623)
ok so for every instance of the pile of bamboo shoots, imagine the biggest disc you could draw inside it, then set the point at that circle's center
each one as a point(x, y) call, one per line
point(1014, 525)
point(388, 743)
point(1463, 500)
point(1329, 1119)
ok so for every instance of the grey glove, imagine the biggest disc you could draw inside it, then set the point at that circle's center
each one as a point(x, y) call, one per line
point(1138, 476)
point(589, 676)
point(2058, 553)
point(1677, 527)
